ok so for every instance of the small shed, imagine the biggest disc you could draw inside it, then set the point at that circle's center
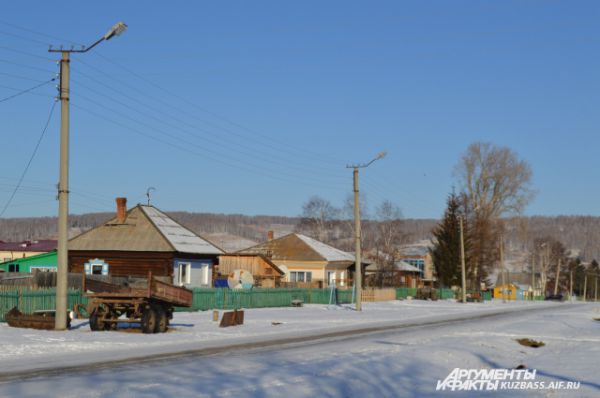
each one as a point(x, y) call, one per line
point(508, 291)
point(265, 272)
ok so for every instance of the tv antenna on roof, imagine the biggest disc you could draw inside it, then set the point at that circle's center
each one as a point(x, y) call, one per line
point(148, 193)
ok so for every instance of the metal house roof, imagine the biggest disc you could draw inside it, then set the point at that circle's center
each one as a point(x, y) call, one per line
point(299, 247)
point(182, 239)
point(145, 228)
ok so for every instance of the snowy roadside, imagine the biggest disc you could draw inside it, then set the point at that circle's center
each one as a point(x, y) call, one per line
point(27, 350)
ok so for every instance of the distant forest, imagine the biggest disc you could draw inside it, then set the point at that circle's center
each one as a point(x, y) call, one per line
point(581, 233)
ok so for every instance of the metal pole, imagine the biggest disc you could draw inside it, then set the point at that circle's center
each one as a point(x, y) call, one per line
point(557, 277)
point(462, 262)
point(585, 288)
point(357, 235)
point(60, 322)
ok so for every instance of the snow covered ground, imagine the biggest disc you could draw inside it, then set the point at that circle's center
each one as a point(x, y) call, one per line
point(402, 362)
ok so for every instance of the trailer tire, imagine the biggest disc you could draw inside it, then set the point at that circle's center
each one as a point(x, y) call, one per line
point(162, 321)
point(149, 320)
point(95, 323)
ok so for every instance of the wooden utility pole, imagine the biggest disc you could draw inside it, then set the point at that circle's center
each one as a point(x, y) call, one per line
point(60, 322)
point(585, 288)
point(357, 233)
point(557, 277)
point(532, 277)
point(502, 269)
point(462, 262)
point(357, 237)
point(571, 284)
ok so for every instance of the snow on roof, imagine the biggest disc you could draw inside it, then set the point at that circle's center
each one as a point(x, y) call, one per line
point(182, 239)
point(329, 253)
point(404, 266)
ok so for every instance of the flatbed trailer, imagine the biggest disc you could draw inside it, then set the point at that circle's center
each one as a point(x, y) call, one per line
point(151, 306)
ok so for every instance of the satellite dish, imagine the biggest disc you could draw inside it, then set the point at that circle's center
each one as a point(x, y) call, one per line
point(240, 279)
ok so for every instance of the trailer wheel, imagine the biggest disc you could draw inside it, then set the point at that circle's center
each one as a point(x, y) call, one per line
point(149, 322)
point(95, 320)
point(162, 321)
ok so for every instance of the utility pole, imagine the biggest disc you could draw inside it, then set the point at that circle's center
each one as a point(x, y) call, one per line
point(596, 287)
point(557, 277)
point(462, 261)
point(357, 232)
point(532, 277)
point(585, 287)
point(571, 284)
point(60, 322)
point(503, 270)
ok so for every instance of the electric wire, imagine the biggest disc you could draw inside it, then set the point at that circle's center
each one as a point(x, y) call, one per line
point(10, 199)
point(154, 84)
point(268, 158)
point(27, 90)
point(6, 61)
point(223, 118)
point(266, 141)
point(248, 168)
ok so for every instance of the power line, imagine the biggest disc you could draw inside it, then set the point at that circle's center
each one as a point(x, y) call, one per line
point(218, 142)
point(27, 90)
point(24, 38)
point(269, 140)
point(26, 53)
point(22, 77)
point(244, 167)
point(266, 141)
point(6, 61)
point(35, 32)
point(30, 160)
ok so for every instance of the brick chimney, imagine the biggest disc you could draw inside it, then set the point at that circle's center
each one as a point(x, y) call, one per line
point(121, 209)
point(270, 235)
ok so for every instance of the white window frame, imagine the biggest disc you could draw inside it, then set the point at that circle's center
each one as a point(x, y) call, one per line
point(300, 276)
point(188, 271)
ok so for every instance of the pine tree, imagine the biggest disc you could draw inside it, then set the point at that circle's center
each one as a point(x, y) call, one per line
point(446, 252)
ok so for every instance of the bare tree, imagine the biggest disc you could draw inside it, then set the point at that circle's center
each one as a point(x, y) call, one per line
point(317, 217)
point(495, 180)
point(387, 236)
point(495, 183)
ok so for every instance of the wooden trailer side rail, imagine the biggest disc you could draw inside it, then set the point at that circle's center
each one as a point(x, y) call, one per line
point(163, 291)
point(156, 289)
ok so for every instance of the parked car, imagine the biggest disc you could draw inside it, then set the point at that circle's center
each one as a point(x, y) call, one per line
point(555, 297)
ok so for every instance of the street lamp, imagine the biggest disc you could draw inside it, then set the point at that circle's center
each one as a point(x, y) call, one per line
point(357, 235)
point(63, 184)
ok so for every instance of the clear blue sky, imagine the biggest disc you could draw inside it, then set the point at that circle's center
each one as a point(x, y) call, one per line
point(252, 107)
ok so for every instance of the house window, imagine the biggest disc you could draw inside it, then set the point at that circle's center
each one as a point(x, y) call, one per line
point(184, 273)
point(205, 274)
point(300, 276)
point(13, 267)
point(96, 269)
